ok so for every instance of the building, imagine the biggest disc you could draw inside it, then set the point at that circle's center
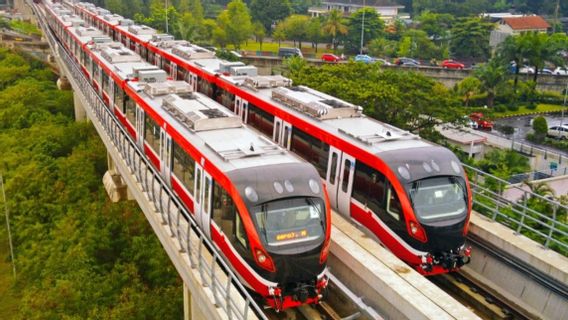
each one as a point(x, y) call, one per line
point(514, 25)
point(388, 9)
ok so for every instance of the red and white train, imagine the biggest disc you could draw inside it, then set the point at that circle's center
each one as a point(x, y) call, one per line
point(412, 195)
point(264, 208)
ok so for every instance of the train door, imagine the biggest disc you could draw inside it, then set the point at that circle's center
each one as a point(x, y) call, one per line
point(192, 80)
point(173, 71)
point(165, 154)
point(241, 108)
point(140, 126)
point(202, 199)
point(158, 61)
point(339, 179)
point(282, 133)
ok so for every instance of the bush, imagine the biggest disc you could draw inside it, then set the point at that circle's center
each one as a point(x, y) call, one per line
point(507, 129)
point(532, 105)
point(513, 106)
point(540, 128)
point(500, 108)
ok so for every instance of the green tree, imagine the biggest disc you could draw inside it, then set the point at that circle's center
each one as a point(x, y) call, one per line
point(373, 28)
point(467, 88)
point(236, 23)
point(538, 48)
point(269, 12)
point(259, 32)
point(334, 26)
point(470, 39)
point(314, 32)
point(296, 27)
point(382, 47)
point(540, 128)
point(436, 25)
point(416, 43)
point(491, 75)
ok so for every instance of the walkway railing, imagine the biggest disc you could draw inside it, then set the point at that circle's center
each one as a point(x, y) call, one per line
point(538, 175)
point(229, 294)
point(547, 226)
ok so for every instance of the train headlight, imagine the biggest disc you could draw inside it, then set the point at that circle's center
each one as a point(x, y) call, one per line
point(417, 232)
point(261, 257)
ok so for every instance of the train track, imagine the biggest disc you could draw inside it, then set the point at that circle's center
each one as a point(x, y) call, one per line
point(476, 297)
point(340, 304)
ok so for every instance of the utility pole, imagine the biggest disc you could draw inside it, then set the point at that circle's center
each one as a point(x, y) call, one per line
point(8, 226)
point(362, 28)
point(556, 16)
point(167, 31)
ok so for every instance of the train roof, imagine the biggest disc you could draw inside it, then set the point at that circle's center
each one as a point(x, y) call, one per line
point(331, 114)
point(207, 125)
point(88, 34)
point(140, 32)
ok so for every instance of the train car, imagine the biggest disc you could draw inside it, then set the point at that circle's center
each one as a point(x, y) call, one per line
point(412, 195)
point(265, 209)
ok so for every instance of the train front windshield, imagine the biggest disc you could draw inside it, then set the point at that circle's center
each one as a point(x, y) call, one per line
point(288, 221)
point(439, 198)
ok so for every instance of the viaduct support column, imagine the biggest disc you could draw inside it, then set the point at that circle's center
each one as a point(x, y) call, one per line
point(190, 312)
point(114, 185)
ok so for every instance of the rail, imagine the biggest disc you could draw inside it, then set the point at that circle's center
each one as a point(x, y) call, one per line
point(538, 175)
point(545, 153)
point(214, 272)
point(550, 230)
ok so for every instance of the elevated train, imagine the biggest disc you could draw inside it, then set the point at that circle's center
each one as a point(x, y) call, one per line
point(263, 207)
point(412, 195)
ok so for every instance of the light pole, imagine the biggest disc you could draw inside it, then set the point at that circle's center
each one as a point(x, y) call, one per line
point(8, 226)
point(167, 31)
point(564, 104)
point(362, 28)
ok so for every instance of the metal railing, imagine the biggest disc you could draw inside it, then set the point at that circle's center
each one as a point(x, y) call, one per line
point(545, 153)
point(548, 227)
point(229, 294)
point(538, 175)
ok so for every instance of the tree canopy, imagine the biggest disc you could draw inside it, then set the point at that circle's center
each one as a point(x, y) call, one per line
point(78, 256)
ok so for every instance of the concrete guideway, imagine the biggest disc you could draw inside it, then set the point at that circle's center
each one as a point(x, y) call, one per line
point(515, 285)
point(383, 281)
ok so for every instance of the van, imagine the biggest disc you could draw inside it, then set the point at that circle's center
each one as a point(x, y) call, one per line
point(289, 52)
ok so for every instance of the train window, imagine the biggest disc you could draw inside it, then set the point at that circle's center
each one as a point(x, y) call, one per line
point(150, 57)
point(152, 133)
point(240, 233)
point(119, 98)
point(333, 168)
point(393, 204)
point(180, 74)
point(257, 118)
point(206, 200)
point(369, 187)
point(346, 170)
point(277, 133)
point(167, 65)
point(439, 198)
point(106, 84)
point(96, 72)
point(311, 149)
point(144, 52)
point(204, 87)
point(223, 210)
point(184, 167)
point(198, 183)
point(130, 111)
point(228, 100)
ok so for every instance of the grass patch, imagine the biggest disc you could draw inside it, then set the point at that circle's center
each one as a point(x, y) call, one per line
point(9, 301)
point(273, 47)
point(541, 108)
point(25, 28)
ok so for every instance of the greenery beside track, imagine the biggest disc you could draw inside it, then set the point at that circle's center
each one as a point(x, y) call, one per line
point(78, 256)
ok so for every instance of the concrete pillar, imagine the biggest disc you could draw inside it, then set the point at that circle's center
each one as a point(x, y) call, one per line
point(115, 187)
point(63, 83)
point(191, 310)
point(80, 114)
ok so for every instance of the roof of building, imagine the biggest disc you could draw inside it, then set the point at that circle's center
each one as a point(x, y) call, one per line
point(368, 3)
point(527, 23)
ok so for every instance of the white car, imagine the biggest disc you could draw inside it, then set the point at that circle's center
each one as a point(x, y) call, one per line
point(526, 69)
point(561, 71)
point(560, 132)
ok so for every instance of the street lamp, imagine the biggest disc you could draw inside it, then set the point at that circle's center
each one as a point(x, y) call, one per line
point(167, 16)
point(362, 28)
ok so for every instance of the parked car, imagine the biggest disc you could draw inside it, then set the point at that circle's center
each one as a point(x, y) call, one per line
point(289, 52)
point(364, 58)
point(526, 70)
point(561, 71)
point(545, 71)
point(452, 64)
point(482, 123)
point(330, 57)
point(406, 61)
point(559, 132)
point(383, 62)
